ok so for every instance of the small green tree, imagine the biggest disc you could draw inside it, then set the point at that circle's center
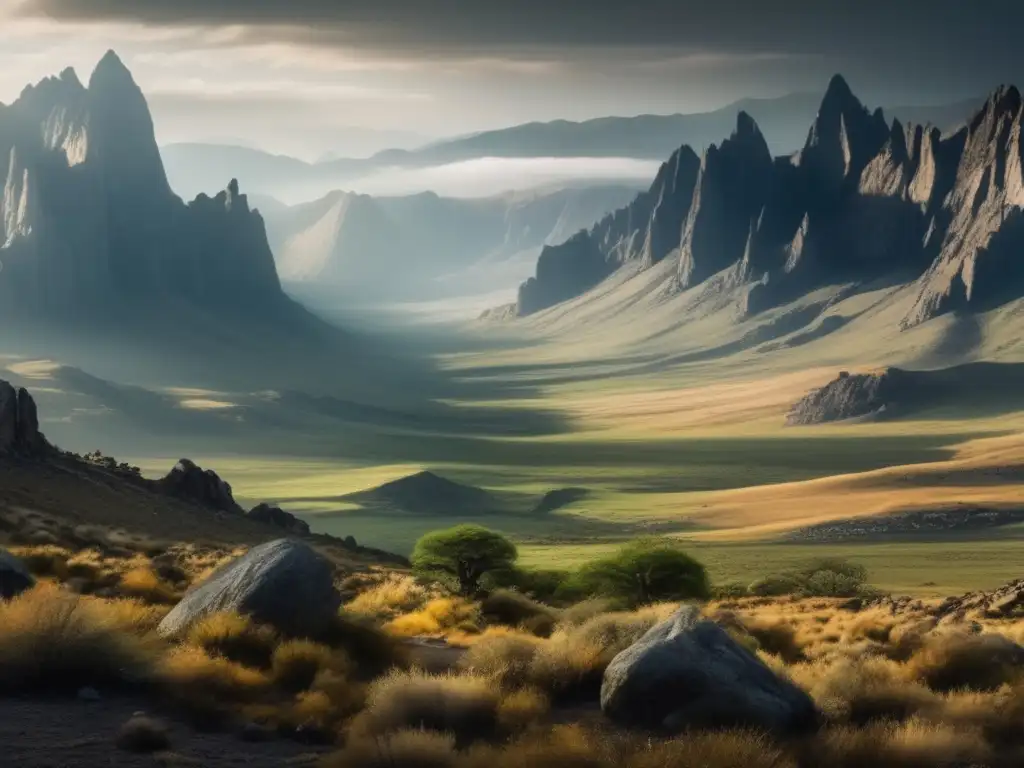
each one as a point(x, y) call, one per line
point(644, 571)
point(466, 552)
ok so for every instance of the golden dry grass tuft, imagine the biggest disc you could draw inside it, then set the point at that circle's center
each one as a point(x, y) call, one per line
point(236, 638)
point(439, 616)
point(401, 749)
point(52, 639)
point(145, 584)
point(464, 706)
point(393, 594)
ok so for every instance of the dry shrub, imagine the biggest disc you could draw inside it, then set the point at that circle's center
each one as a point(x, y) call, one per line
point(505, 657)
point(51, 639)
point(209, 688)
point(235, 637)
point(402, 749)
point(714, 749)
point(296, 664)
point(143, 735)
point(521, 709)
point(586, 610)
point(132, 616)
point(868, 689)
point(393, 595)
point(514, 609)
point(915, 744)
point(370, 649)
point(462, 705)
point(437, 617)
point(143, 583)
point(975, 662)
point(45, 560)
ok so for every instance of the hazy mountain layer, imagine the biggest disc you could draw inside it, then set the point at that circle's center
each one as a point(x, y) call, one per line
point(864, 199)
point(421, 246)
point(783, 120)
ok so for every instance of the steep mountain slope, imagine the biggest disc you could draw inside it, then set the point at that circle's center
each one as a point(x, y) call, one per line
point(404, 247)
point(89, 224)
point(783, 120)
point(863, 200)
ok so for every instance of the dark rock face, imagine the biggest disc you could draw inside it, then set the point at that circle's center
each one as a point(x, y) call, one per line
point(563, 271)
point(19, 424)
point(14, 576)
point(863, 395)
point(265, 513)
point(863, 199)
point(283, 583)
point(89, 226)
point(648, 229)
point(730, 194)
point(688, 672)
point(188, 481)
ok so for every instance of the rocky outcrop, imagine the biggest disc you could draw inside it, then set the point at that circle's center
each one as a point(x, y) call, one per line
point(19, 424)
point(731, 191)
point(648, 230)
point(1006, 602)
point(277, 517)
point(283, 583)
point(689, 672)
point(89, 226)
point(14, 576)
point(863, 199)
point(853, 396)
point(204, 487)
point(563, 271)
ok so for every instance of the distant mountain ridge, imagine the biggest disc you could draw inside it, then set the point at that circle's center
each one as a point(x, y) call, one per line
point(400, 247)
point(89, 224)
point(863, 198)
point(783, 121)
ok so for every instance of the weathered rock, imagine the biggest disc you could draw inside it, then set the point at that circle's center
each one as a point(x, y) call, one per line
point(283, 583)
point(866, 395)
point(8, 417)
point(14, 576)
point(1005, 602)
point(19, 424)
point(271, 515)
point(189, 481)
point(688, 672)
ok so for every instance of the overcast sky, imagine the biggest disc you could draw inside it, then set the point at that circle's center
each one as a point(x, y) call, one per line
point(312, 76)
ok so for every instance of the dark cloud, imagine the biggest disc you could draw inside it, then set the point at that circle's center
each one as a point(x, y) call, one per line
point(892, 50)
point(835, 27)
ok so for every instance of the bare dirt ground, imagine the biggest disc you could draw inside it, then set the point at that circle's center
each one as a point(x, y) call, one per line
point(68, 733)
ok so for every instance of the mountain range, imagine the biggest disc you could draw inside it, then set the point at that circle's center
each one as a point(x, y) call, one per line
point(783, 120)
point(864, 199)
point(425, 246)
point(89, 224)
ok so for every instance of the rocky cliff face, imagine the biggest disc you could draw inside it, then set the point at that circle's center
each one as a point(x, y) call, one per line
point(863, 198)
point(88, 220)
point(19, 424)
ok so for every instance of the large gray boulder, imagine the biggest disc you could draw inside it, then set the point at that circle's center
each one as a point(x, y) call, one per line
point(688, 672)
point(283, 583)
point(14, 576)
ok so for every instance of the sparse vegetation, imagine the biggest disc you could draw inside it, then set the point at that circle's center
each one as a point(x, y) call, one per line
point(645, 571)
point(466, 553)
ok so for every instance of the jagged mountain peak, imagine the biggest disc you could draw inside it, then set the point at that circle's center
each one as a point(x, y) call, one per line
point(110, 69)
point(746, 126)
point(70, 76)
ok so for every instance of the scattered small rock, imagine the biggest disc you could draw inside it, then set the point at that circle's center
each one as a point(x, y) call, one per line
point(143, 735)
point(89, 695)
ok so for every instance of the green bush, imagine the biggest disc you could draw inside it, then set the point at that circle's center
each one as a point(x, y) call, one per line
point(466, 552)
point(645, 571)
